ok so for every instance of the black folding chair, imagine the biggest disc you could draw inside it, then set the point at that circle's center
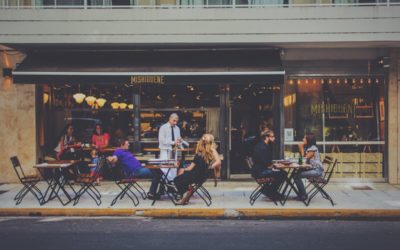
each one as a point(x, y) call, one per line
point(29, 183)
point(87, 182)
point(201, 191)
point(262, 184)
point(317, 184)
point(126, 184)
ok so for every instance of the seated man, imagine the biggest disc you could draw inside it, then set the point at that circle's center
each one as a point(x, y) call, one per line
point(133, 168)
point(262, 159)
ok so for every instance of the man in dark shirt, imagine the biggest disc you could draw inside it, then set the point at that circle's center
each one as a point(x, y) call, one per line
point(262, 159)
point(133, 168)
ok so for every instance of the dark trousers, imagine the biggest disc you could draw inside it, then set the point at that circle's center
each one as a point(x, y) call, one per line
point(183, 181)
point(279, 177)
point(154, 174)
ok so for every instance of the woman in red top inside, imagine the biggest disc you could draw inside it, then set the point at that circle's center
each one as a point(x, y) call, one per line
point(100, 139)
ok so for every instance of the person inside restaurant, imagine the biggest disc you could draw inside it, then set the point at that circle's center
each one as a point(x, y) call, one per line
point(206, 158)
point(100, 139)
point(133, 168)
point(68, 147)
point(262, 159)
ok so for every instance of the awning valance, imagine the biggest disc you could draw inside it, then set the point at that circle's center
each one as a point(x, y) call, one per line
point(224, 66)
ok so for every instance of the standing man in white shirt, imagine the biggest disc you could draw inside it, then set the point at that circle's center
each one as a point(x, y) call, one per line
point(169, 136)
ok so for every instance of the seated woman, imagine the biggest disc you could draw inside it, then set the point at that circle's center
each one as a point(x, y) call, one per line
point(67, 144)
point(100, 140)
point(313, 158)
point(309, 140)
point(206, 157)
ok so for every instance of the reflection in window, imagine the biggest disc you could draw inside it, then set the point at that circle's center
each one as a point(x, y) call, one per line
point(349, 108)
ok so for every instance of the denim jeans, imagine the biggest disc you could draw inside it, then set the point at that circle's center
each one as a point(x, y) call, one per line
point(305, 174)
point(154, 175)
point(279, 177)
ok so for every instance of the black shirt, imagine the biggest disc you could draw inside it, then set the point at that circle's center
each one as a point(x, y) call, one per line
point(201, 166)
point(262, 158)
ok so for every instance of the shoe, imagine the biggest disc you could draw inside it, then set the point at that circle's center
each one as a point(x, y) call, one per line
point(151, 196)
point(185, 198)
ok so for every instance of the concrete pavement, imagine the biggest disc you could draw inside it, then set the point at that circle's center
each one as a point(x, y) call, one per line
point(230, 200)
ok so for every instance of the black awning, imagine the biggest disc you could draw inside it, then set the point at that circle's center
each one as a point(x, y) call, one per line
point(118, 66)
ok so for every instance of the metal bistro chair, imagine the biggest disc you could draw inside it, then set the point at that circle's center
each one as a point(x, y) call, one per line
point(201, 191)
point(87, 183)
point(126, 184)
point(262, 183)
point(317, 184)
point(29, 182)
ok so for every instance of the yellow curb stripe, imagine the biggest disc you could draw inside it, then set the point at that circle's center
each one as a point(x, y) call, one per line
point(336, 213)
point(204, 212)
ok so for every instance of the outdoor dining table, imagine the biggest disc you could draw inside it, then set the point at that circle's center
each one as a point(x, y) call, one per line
point(167, 164)
point(55, 173)
point(292, 169)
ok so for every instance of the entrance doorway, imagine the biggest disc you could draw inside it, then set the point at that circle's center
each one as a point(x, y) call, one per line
point(252, 108)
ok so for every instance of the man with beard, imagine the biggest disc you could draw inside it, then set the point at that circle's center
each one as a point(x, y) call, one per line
point(262, 158)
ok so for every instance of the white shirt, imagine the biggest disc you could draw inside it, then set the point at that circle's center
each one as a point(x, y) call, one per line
point(165, 136)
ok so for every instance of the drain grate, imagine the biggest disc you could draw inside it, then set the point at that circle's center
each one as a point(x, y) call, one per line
point(361, 187)
point(3, 191)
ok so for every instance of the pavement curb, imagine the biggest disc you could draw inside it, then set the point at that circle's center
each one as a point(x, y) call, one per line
point(217, 213)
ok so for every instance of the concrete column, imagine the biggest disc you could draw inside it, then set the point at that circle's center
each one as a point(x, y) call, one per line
point(393, 118)
point(17, 128)
point(17, 123)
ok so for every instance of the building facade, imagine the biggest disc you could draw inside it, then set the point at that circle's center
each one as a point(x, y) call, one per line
point(228, 68)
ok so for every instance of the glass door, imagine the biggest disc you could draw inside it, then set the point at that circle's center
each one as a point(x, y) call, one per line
point(252, 109)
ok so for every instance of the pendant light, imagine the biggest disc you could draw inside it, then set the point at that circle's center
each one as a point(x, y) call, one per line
point(79, 97)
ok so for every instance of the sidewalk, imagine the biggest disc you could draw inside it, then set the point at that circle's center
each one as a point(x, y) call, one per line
point(230, 200)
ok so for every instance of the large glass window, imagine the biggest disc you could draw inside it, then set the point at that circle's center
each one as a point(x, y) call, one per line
point(347, 115)
point(112, 107)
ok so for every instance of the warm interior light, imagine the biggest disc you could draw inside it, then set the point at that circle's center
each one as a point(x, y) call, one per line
point(79, 97)
point(45, 98)
point(123, 105)
point(90, 100)
point(115, 105)
point(130, 106)
point(101, 102)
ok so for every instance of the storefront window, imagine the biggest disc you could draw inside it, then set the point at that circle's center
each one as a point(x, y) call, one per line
point(112, 107)
point(347, 115)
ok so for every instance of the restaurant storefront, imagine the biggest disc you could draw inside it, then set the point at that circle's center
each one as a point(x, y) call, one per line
point(212, 91)
point(232, 94)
